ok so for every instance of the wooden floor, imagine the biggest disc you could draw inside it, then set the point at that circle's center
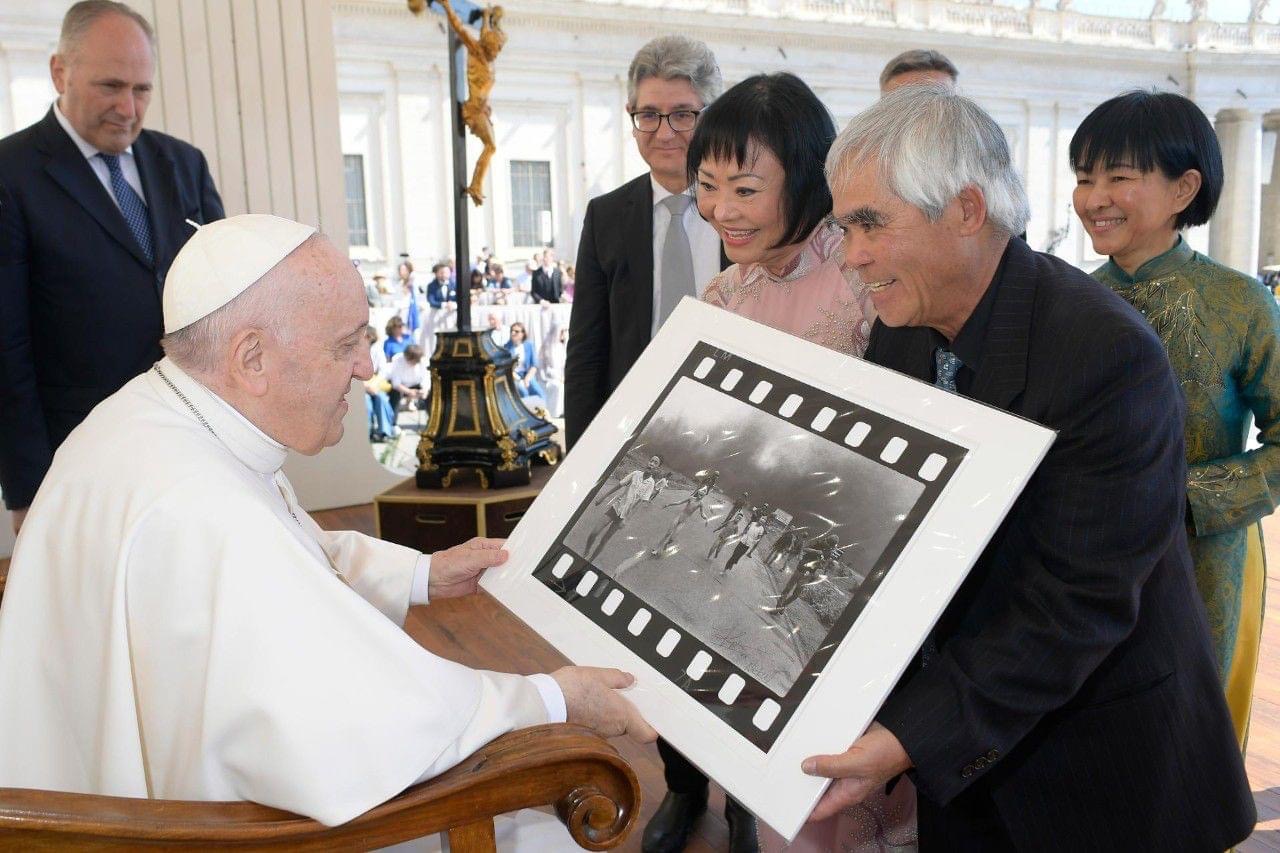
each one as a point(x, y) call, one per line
point(479, 632)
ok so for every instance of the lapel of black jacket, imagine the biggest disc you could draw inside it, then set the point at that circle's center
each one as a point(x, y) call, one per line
point(69, 169)
point(638, 237)
point(1003, 374)
point(160, 185)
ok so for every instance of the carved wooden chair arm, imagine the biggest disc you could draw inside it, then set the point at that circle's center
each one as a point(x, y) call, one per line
point(593, 788)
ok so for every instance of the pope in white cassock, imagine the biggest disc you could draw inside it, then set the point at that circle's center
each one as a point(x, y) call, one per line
point(176, 626)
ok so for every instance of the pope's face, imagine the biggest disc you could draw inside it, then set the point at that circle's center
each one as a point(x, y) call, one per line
point(104, 84)
point(325, 352)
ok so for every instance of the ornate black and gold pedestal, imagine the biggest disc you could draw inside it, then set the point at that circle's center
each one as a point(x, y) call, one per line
point(477, 420)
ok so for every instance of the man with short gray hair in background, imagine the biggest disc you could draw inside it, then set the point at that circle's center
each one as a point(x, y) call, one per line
point(93, 209)
point(1067, 699)
point(917, 66)
point(643, 246)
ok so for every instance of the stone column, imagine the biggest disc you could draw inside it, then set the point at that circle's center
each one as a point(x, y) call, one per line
point(1233, 232)
point(1269, 248)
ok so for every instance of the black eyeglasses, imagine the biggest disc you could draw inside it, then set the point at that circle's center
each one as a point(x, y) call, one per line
point(681, 121)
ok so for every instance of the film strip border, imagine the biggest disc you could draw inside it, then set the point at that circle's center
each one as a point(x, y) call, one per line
point(733, 695)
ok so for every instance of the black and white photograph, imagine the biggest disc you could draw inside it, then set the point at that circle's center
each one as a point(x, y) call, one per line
point(763, 532)
point(749, 517)
point(750, 534)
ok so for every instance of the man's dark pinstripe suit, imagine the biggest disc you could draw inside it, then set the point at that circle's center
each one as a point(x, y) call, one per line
point(1073, 699)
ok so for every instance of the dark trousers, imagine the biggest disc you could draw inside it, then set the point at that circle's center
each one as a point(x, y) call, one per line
point(393, 396)
point(968, 824)
point(682, 777)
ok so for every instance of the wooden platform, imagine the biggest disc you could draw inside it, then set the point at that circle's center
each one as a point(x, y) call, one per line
point(479, 632)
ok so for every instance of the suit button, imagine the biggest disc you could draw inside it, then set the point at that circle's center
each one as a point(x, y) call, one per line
point(993, 754)
point(980, 763)
point(967, 771)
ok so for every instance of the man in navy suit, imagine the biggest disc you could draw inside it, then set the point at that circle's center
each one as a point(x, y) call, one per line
point(1067, 698)
point(92, 211)
point(441, 288)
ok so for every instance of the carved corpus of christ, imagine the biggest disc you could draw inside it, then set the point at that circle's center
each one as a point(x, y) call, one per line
point(483, 48)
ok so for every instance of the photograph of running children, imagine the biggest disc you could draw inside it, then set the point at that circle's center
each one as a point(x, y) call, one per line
point(750, 533)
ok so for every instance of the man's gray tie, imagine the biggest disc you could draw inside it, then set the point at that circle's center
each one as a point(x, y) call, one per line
point(135, 212)
point(677, 258)
point(947, 365)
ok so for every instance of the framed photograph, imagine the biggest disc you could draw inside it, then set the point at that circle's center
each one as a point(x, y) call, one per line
point(763, 531)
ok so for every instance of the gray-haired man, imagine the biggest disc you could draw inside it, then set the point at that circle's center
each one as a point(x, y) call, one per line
point(635, 258)
point(643, 247)
point(917, 66)
point(1068, 699)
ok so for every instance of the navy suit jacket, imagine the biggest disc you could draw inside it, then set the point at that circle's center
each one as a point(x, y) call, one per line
point(438, 294)
point(612, 316)
point(80, 307)
point(1074, 683)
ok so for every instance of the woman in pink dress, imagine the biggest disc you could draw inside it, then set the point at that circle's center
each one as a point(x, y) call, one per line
point(756, 162)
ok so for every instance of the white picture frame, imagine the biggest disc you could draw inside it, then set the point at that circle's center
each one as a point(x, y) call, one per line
point(932, 475)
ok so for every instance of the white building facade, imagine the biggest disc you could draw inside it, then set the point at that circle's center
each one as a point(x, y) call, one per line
point(564, 136)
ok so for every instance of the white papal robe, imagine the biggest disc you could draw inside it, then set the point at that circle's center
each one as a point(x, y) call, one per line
point(171, 630)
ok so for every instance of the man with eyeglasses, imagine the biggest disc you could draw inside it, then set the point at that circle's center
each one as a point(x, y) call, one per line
point(644, 247)
point(635, 259)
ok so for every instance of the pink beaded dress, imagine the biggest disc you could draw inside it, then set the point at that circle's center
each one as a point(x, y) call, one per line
point(818, 298)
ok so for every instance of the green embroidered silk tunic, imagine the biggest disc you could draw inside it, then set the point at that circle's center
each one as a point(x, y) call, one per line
point(1222, 332)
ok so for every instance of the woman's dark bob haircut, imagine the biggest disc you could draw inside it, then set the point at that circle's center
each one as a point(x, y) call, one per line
point(782, 114)
point(1149, 131)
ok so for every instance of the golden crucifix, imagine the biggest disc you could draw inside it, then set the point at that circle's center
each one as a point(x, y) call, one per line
point(482, 51)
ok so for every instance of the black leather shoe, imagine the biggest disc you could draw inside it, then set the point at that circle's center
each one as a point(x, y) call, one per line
point(669, 829)
point(743, 837)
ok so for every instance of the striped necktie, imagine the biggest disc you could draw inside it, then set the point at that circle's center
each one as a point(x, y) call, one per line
point(134, 210)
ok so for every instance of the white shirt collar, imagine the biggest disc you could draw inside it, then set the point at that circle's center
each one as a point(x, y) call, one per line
point(660, 192)
point(86, 149)
point(253, 447)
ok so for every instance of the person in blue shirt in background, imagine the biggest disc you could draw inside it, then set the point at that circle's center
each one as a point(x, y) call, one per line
point(525, 367)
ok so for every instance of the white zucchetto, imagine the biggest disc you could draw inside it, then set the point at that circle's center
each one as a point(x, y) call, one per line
point(221, 261)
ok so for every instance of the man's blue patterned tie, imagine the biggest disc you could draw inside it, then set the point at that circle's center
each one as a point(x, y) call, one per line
point(947, 364)
point(135, 212)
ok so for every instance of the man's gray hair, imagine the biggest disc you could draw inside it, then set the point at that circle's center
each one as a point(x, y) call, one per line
point(931, 143)
point(267, 304)
point(81, 16)
point(674, 58)
point(918, 60)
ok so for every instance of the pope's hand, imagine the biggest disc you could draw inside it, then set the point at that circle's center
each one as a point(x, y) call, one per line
point(873, 760)
point(592, 699)
point(457, 571)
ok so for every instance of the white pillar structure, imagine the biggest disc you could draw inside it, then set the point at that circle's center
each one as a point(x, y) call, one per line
point(1269, 247)
point(1233, 232)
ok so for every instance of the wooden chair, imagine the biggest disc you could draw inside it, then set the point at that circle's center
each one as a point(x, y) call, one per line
point(593, 789)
